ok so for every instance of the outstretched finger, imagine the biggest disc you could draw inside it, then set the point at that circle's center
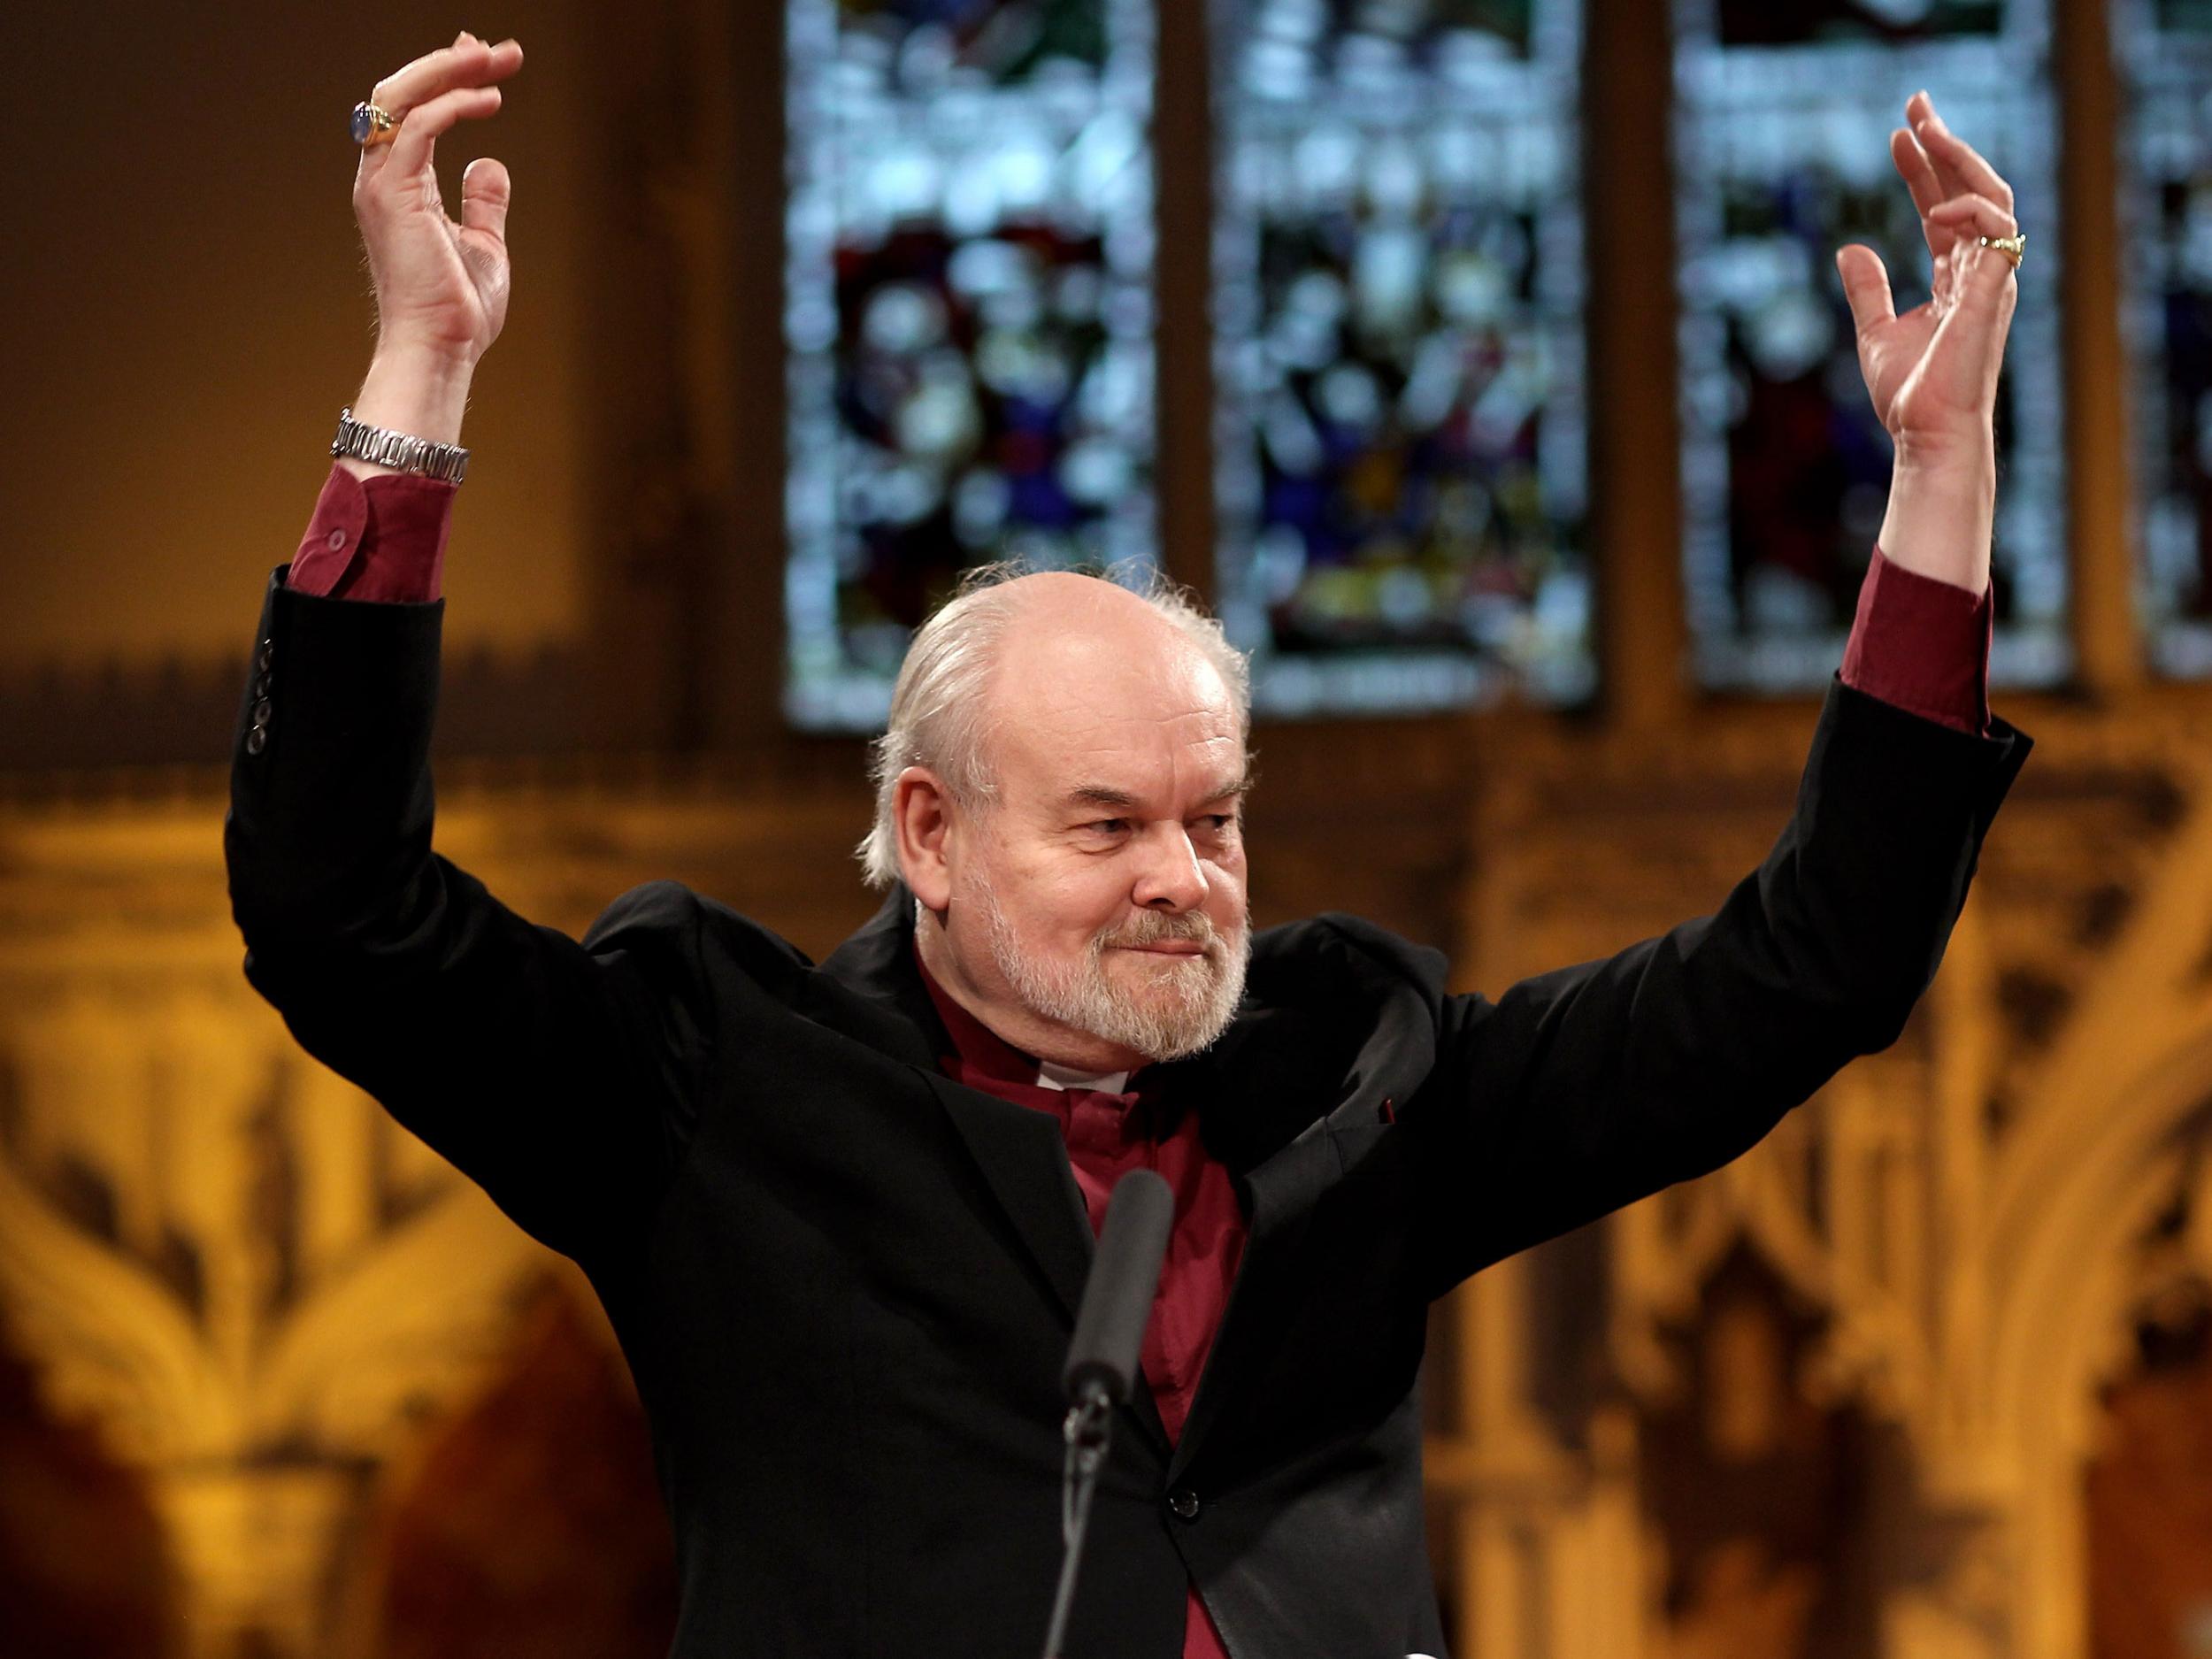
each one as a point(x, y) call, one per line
point(1921, 117)
point(1959, 160)
point(486, 190)
point(468, 62)
point(1913, 166)
point(1919, 175)
point(1865, 285)
point(410, 149)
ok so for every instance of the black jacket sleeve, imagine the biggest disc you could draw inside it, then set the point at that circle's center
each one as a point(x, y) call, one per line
point(1583, 1089)
point(561, 1077)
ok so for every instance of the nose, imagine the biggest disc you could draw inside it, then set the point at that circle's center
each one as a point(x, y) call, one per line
point(1170, 877)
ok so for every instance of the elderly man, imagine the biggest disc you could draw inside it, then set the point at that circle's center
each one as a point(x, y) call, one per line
point(840, 1215)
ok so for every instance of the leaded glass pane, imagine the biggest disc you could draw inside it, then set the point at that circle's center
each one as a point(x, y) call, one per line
point(1399, 289)
point(2165, 52)
point(969, 314)
point(1784, 112)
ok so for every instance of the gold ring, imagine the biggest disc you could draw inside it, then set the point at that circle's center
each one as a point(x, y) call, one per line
point(2013, 248)
point(373, 125)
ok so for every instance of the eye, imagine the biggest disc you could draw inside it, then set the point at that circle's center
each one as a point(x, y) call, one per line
point(1108, 825)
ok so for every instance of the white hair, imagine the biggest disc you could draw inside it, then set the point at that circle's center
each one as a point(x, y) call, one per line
point(939, 712)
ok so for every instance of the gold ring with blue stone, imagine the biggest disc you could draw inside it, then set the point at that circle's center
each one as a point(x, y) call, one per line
point(373, 125)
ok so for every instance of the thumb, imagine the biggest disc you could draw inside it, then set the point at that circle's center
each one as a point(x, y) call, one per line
point(1865, 285)
point(485, 192)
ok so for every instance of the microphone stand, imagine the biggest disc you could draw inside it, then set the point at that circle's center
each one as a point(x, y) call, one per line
point(1103, 1357)
point(1089, 1431)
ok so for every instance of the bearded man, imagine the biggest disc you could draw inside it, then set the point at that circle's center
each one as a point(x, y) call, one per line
point(841, 1214)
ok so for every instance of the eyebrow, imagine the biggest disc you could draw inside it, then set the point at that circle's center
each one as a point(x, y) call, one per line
point(1099, 795)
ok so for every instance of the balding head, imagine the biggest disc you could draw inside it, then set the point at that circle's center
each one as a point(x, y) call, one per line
point(1008, 633)
point(1060, 787)
point(1082, 662)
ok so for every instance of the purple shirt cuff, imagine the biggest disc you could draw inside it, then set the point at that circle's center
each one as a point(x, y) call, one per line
point(382, 538)
point(1922, 645)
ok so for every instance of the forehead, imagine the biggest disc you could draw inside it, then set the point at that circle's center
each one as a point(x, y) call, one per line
point(1131, 704)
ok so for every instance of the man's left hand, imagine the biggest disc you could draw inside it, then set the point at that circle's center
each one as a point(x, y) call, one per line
point(1932, 373)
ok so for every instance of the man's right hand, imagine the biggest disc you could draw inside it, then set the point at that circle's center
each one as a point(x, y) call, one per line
point(441, 287)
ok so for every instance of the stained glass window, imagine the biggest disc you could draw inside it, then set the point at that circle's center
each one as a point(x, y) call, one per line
point(969, 242)
point(2165, 52)
point(1783, 111)
point(1398, 286)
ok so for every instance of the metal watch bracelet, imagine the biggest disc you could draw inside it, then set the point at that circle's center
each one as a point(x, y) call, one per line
point(408, 454)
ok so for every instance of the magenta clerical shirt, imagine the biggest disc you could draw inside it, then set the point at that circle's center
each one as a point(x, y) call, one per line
point(1109, 1132)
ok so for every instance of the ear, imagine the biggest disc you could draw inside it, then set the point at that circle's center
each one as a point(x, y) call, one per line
point(921, 817)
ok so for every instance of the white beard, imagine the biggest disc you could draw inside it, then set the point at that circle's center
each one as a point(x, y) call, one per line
point(1200, 997)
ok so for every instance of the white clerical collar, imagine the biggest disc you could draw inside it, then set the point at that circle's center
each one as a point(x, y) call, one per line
point(1064, 1078)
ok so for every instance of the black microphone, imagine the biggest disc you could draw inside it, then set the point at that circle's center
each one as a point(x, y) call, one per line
point(1102, 1359)
point(1118, 1299)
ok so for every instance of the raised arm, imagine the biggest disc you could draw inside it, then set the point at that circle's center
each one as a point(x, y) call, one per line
point(1581, 1090)
point(560, 1076)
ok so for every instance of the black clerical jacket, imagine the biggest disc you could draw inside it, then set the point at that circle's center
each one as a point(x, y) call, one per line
point(845, 1283)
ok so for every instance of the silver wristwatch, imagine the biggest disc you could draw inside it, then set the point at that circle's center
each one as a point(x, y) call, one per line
point(448, 461)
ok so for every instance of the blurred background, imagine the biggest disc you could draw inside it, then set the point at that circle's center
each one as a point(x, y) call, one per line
point(1483, 362)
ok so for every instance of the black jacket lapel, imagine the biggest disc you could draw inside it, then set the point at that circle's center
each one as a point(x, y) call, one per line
point(1022, 1157)
point(871, 988)
point(879, 997)
point(1314, 1065)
